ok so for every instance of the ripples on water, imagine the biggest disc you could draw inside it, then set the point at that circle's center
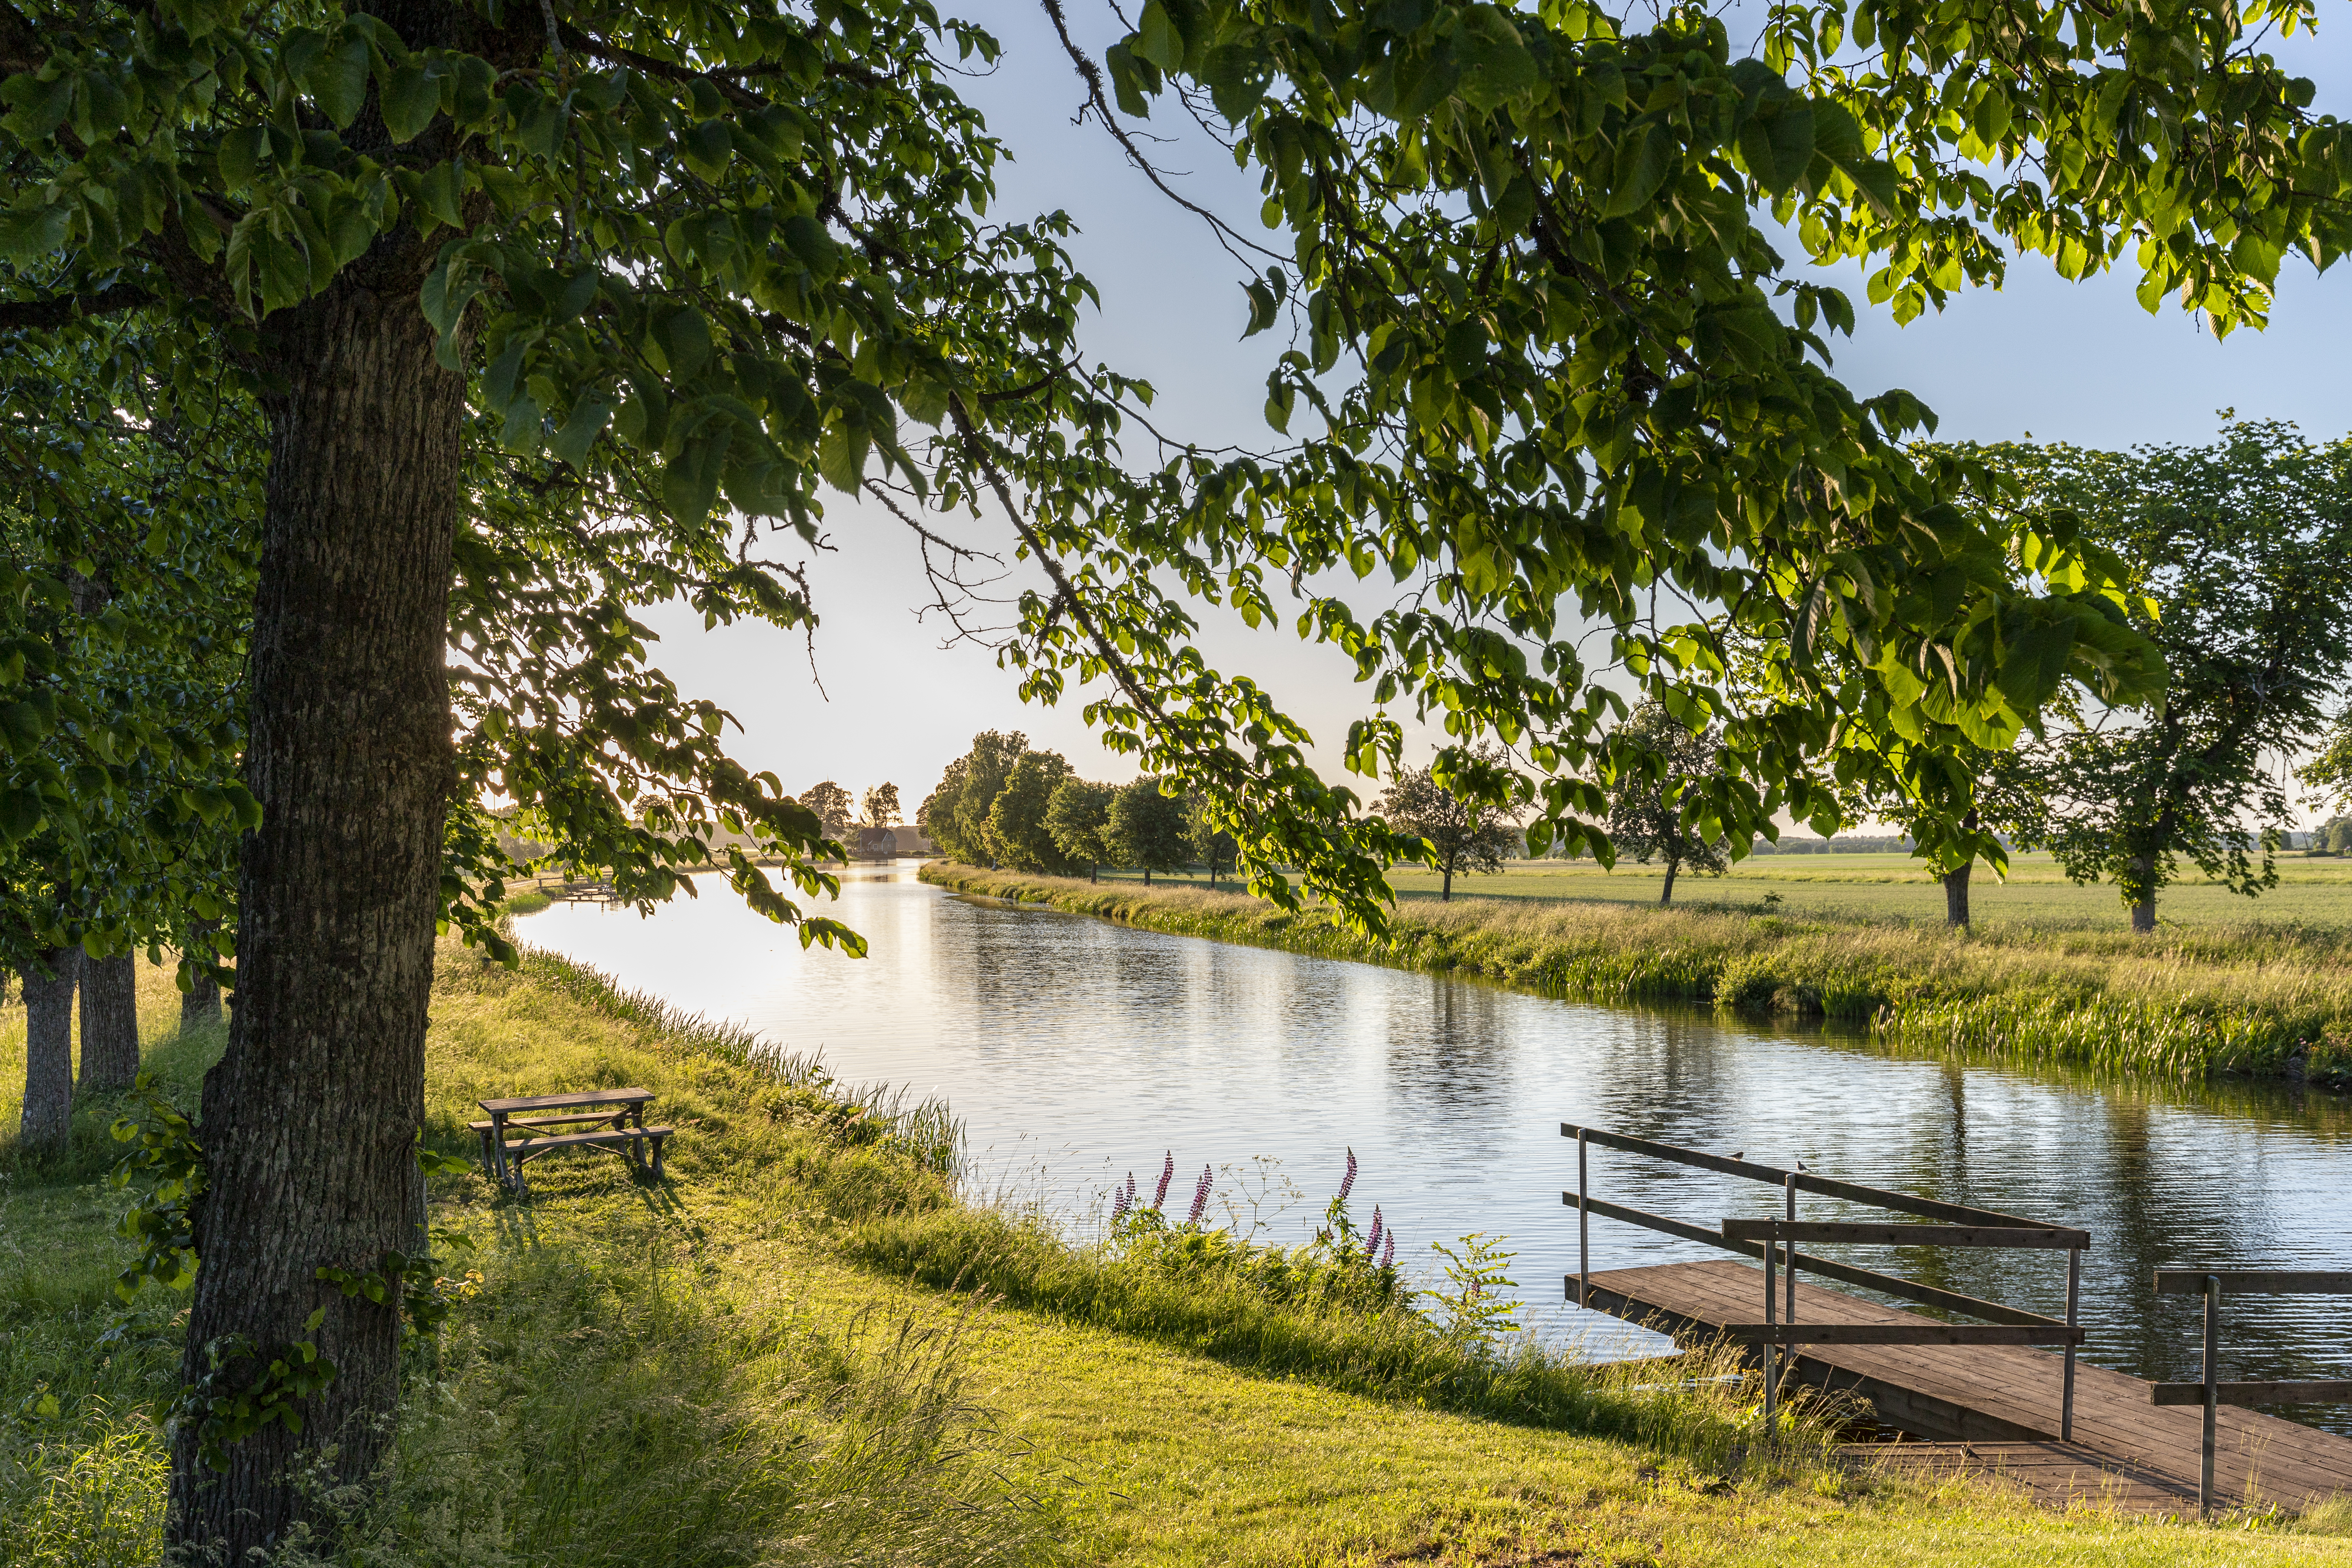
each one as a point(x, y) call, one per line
point(1076, 1051)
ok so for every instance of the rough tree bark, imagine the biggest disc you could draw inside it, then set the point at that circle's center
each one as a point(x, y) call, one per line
point(110, 1023)
point(200, 1005)
point(309, 1121)
point(1666, 896)
point(1956, 897)
point(49, 1050)
point(2142, 912)
point(1446, 889)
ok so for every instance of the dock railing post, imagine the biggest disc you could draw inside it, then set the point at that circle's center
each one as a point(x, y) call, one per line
point(1771, 1401)
point(1583, 1228)
point(1788, 1185)
point(2073, 1295)
point(2212, 1391)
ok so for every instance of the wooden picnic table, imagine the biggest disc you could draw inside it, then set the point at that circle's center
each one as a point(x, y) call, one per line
point(613, 1118)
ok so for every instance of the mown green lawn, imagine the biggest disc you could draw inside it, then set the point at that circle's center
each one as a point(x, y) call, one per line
point(2312, 891)
point(699, 1374)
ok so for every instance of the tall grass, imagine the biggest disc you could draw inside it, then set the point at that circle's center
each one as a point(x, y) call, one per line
point(2265, 999)
point(1221, 1300)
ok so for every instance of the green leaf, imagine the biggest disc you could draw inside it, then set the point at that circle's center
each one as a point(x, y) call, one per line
point(1130, 80)
point(338, 83)
point(924, 399)
point(21, 814)
point(29, 234)
point(684, 337)
point(1495, 63)
point(1778, 142)
point(440, 191)
point(239, 157)
point(37, 107)
point(708, 148)
point(1644, 158)
point(589, 417)
point(1238, 76)
point(410, 101)
point(806, 238)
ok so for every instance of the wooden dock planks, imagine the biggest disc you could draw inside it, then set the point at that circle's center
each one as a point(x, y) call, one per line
point(1995, 1407)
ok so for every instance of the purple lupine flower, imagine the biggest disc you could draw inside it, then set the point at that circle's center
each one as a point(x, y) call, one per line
point(1120, 1197)
point(1130, 1189)
point(1372, 1242)
point(1201, 1196)
point(1348, 1181)
point(1167, 1174)
point(1388, 1253)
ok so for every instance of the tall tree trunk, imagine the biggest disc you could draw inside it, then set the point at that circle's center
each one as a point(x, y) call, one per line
point(311, 1120)
point(200, 1005)
point(1446, 889)
point(1666, 894)
point(1956, 897)
point(1147, 876)
point(2143, 910)
point(109, 1022)
point(49, 1050)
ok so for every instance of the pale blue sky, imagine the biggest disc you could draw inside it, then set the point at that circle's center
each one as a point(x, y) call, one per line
point(2079, 363)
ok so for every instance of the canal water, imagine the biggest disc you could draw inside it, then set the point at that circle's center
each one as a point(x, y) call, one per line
point(1076, 1051)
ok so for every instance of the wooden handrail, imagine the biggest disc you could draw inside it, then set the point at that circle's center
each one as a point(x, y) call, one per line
point(1868, 1234)
point(1828, 1267)
point(1772, 1240)
point(2254, 1281)
point(1806, 1180)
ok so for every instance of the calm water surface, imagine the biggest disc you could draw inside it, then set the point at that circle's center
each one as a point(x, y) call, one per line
point(1076, 1051)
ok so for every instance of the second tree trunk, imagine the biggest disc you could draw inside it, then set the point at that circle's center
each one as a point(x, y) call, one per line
point(110, 1023)
point(48, 1051)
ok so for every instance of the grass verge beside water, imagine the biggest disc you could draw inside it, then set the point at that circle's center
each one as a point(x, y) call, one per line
point(779, 1356)
point(2274, 1000)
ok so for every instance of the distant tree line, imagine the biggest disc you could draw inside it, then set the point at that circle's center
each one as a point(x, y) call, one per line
point(1003, 806)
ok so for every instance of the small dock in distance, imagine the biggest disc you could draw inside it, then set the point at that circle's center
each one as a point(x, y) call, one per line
point(1994, 1409)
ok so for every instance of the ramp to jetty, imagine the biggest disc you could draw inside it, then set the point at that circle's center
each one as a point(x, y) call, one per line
point(1978, 1397)
point(1995, 1409)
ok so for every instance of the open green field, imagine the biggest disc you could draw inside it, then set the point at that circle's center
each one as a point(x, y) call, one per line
point(743, 1366)
point(2315, 890)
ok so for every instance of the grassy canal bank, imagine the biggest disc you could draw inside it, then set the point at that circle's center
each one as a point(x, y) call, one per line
point(2273, 1000)
point(804, 1348)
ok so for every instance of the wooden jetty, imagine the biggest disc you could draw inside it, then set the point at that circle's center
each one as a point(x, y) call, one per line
point(1994, 1409)
point(1978, 1397)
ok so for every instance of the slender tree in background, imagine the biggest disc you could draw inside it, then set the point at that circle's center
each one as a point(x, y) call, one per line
point(830, 805)
point(1079, 820)
point(525, 295)
point(1655, 811)
point(1146, 828)
point(2243, 549)
point(1205, 833)
point(1444, 806)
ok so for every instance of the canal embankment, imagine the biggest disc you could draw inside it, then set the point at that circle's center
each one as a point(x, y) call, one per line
point(2273, 1001)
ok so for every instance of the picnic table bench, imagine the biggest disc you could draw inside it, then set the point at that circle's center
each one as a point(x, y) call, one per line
point(613, 1119)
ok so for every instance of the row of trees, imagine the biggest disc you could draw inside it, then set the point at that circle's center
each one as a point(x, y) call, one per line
point(1003, 804)
point(2237, 556)
point(522, 320)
